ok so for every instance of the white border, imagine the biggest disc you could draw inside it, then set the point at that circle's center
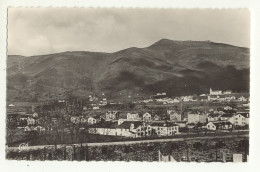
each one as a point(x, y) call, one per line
point(253, 164)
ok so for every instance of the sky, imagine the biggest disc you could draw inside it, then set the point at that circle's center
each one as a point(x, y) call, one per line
point(37, 31)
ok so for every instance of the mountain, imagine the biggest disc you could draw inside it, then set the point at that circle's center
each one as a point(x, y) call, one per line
point(175, 67)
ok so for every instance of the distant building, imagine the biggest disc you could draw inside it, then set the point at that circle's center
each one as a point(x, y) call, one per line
point(112, 115)
point(215, 92)
point(197, 117)
point(213, 117)
point(227, 117)
point(92, 120)
point(133, 116)
point(227, 92)
point(174, 115)
point(147, 117)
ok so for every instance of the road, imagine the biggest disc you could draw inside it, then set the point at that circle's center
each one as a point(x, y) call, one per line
point(29, 148)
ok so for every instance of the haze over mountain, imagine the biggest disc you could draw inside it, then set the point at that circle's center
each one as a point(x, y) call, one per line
point(175, 67)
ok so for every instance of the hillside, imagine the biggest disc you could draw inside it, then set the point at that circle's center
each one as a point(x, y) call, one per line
point(176, 67)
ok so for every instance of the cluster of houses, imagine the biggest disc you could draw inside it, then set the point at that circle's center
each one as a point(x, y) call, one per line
point(214, 95)
point(219, 120)
point(30, 122)
point(134, 125)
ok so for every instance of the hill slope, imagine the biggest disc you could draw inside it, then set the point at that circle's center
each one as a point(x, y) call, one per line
point(176, 67)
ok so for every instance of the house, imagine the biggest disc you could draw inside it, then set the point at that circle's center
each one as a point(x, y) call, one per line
point(39, 129)
point(174, 115)
point(147, 117)
point(35, 115)
point(92, 120)
point(213, 117)
point(83, 120)
point(219, 125)
point(156, 118)
point(197, 117)
point(27, 128)
point(176, 100)
point(141, 129)
point(31, 121)
point(112, 115)
point(75, 119)
point(227, 117)
point(133, 116)
point(165, 128)
point(241, 119)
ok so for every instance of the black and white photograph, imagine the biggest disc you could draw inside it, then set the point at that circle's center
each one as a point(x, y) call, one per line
point(128, 84)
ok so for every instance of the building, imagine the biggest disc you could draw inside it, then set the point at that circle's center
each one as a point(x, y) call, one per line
point(241, 119)
point(215, 92)
point(212, 117)
point(147, 117)
point(75, 119)
point(165, 128)
point(174, 115)
point(156, 118)
point(92, 120)
point(112, 115)
point(133, 116)
point(31, 121)
point(126, 128)
point(197, 117)
point(227, 117)
point(219, 125)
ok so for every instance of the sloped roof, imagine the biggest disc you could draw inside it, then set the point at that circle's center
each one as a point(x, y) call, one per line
point(213, 115)
point(244, 114)
point(163, 124)
point(227, 115)
point(218, 123)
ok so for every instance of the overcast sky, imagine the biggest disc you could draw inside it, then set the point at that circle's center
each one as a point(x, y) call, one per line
point(34, 31)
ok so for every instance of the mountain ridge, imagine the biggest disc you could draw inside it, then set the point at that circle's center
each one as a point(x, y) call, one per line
point(167, 62)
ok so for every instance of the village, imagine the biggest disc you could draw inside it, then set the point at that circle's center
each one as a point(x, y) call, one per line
point(225, 112)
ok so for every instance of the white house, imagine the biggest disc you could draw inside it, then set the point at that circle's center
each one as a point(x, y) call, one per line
point(219, 125)
point(241, 119)
point(92, 120)
point(35, 115)
point(147, 117)
point(133, 116)
point(31, 121)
